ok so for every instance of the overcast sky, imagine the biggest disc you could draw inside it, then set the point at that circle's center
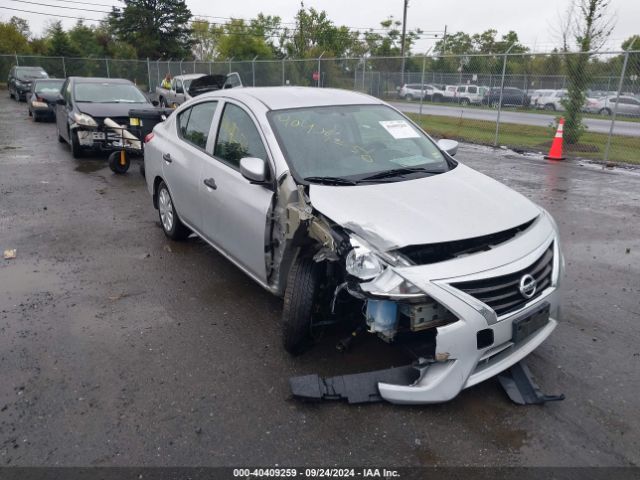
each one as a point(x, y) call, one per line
point(536, 22)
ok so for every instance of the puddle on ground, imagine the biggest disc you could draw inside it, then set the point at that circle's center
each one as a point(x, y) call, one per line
point(90, 166)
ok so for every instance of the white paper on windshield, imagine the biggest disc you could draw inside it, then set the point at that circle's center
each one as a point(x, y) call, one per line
point(399, 129)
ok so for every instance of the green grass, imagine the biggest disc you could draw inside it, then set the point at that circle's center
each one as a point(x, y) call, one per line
point(592, 145)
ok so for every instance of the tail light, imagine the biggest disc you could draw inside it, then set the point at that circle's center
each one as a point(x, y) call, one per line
point(148, 137)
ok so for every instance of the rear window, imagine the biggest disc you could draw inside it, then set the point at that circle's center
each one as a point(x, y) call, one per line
point(25, 73)
point(48, 87)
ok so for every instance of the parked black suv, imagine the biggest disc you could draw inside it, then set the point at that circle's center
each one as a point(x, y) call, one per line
point(20, 79)
point(511, 96)
point(84, 105)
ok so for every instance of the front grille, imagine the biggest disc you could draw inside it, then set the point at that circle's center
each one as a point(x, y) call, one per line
point(502, 294)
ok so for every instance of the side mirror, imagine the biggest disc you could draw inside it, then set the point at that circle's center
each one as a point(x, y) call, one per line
point(449, 146)
point(253, 169)
point(61, 101)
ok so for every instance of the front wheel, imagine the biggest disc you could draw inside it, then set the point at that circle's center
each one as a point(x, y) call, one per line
point(408, 97)
point(76, 149)
point(464, 102)
point(550, 107)
point(304, 304)
point(169, 219)
point(605, 111)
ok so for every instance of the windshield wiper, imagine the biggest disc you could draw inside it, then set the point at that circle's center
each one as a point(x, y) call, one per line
point(330, 180)
point(397, 172)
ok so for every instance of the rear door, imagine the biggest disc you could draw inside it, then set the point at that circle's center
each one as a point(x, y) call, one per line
point(234, 210)
point(182, 160)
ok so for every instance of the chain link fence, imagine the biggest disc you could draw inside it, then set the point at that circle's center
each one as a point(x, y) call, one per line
point(513, 100)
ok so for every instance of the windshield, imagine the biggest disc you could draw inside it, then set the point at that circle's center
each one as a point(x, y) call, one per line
point(48, 87)
point(354, 143)
point(108, 93)
point(30, 73)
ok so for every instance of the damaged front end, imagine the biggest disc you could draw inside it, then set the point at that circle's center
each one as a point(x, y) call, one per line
point(448, 311)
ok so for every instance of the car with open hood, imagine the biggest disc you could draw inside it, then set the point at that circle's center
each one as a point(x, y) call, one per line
point(86, 102)
point(344, 207)
point(185, 87)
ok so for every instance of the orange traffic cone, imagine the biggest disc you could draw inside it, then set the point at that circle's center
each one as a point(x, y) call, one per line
point(555, 152)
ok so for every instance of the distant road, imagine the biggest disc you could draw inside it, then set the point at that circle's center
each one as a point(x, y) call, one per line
point(629, 129)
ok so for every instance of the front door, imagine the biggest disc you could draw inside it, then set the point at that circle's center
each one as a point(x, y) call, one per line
point(234, 211)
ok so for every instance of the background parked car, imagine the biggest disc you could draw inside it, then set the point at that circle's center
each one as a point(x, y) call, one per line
point(470, 94)
point(413, 91)
point(41, 100)
point(627, 105)
point(534, 95)
point(20, 79)
point(552, 100)
point(185, 87)
point(85, 103)
point(511, 96)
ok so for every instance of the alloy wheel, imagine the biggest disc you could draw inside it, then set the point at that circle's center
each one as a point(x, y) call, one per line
point(165, 205)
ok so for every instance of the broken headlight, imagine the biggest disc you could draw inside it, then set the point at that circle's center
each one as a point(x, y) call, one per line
point(390, 284)
point(363, 263)
point(84, 120)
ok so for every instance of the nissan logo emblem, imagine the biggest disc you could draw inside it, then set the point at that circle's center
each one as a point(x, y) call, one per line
point(528, 286)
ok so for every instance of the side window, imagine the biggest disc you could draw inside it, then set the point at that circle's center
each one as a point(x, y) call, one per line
point(473, 89)
point(238, 137)
point(194, 124)
point(461, 89)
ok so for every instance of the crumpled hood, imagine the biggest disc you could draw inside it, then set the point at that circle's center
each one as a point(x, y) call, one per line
point(100, 110)
point(455, 205)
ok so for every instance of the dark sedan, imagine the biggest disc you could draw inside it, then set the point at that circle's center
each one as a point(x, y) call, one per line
point(41, 100)
point(511, 96)
point(84, 105)
point(20, 79)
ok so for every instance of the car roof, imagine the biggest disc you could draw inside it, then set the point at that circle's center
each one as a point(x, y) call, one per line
point(99, 80)
point(280, 98)
point(29, 68)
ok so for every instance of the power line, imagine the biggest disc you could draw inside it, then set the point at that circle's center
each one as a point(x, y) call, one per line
point(50, 15)
point(59, 6)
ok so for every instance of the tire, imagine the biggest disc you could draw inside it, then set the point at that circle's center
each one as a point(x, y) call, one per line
point(436, 98)
point(142, 170)
point(605, 111)
point(494, 104)
point(74, 143)
point(30, 114)
point(36, 118)
point(465, 102)
point(60, 137)
point(550, 107)
point(171, 224)
point(115, 162)
point(299, 300)
point(408, 97)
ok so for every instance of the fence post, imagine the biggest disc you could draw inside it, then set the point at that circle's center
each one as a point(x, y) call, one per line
point(422, 90)
point(319, 58)
point(64, 68)
point(253, 70)
point(615, 109)
point(364, 70)
point(230, 64)
point(194, 66)
point(210, 66)
point(158, 70)
point(181, 66)
point(283, 75)
point(17, 62)
point(504, 70)
point(106, 62)
point(149, 74)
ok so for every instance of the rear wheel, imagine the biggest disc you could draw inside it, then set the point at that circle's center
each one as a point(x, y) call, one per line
point(169, 219)
point(495, 104)
point(550, 107)
point(605, 111)
point(408, 97)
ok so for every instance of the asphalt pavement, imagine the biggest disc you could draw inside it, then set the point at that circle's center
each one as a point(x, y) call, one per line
point(621, 127)
point(120, 347)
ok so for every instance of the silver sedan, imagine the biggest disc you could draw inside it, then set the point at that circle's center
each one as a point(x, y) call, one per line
point(343, 206)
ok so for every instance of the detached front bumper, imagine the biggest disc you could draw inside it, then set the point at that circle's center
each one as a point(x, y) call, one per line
point(462, 360)
point(98, 138)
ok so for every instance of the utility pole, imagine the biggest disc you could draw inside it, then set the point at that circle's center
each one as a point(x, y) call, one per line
point(404, 35)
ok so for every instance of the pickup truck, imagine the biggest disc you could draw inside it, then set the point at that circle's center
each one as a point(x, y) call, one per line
point(185, 87)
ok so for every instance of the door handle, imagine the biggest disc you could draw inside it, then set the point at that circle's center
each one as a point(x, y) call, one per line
point(211, 183)
point(167, 157)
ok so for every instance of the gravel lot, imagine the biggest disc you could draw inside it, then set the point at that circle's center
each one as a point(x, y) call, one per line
point(118, 347)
